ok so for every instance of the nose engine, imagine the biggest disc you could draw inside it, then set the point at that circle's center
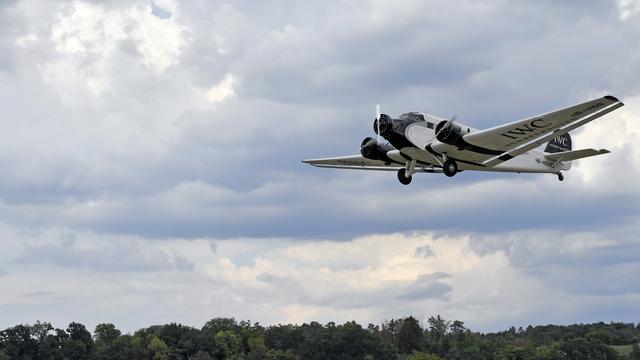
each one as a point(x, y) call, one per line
point(385, 126)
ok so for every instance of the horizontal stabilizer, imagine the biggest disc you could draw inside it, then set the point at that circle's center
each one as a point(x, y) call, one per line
point(575, 154)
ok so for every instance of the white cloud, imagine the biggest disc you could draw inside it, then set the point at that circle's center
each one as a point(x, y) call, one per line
point(26, 40)
point(629, 9)
point(123, 123)
point(618, 132)
point(222, 90)
point(91, 37)
point(489, 281)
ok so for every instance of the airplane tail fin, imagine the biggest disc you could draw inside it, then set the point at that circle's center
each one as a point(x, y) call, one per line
point(559, 143)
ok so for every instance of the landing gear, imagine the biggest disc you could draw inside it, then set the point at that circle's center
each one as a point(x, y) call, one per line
point(560, 176)
point(404, 175)
point(403, 178)
point(450, 167)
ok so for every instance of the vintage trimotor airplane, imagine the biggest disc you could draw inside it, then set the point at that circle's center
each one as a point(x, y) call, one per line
point(420, 142)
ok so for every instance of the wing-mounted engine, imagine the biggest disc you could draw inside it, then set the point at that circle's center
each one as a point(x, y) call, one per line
point(373, 150)
point(448, 132)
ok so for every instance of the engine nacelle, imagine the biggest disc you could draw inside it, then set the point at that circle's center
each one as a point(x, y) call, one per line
point(386, 124)
point(370, 149)
point(449, 134)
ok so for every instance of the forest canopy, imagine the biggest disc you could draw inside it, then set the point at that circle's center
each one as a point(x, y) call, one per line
point(406, 339)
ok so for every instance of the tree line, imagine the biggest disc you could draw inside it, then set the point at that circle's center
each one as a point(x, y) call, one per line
point(402, 339)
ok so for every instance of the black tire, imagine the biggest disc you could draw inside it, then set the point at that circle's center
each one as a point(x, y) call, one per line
point(404, 180)
point(450, 167)
point(560, 177)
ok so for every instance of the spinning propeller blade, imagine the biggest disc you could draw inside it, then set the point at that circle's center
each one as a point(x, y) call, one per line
point(378, 122)
point(447, 124)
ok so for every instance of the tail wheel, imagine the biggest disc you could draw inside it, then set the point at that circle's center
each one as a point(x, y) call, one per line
point(450, 167)
point(403, 178)
point(560, 176)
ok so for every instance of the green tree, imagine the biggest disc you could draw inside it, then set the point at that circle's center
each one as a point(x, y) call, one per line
point(283, 337)
point(159, 349)
point(4, 356)
point(106, 342)
point(635, 352)
point(438, 328)
point(257, 348)
point(183, 341)
point(106, 334)
point(216, 325)
point(201, 355)
point(409, 336)
point(228, 343)
point(389, 331)
point(51, 346)
point(457, 330)
point(79, 344)
point(417, 355)
point(274, 354)
point(18, 343)
point(138, 346)
point(581, 348)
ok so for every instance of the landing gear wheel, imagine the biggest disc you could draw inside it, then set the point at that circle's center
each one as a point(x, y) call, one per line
point(560, 176)
point(450, 167)
point(404, 180)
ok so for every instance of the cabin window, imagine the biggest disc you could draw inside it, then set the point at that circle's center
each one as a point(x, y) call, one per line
point(429, 125)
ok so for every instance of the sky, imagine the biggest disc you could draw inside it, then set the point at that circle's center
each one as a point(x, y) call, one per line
point(151, 163)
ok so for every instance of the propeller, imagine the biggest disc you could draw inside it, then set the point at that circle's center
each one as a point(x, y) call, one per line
point(368, 141)
point(447, 125)
point(378, 122)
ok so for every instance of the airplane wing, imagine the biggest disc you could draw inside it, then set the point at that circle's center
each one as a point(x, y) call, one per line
point(521, 136)
point(358, 162)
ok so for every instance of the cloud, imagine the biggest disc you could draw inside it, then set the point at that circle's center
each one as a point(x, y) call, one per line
point(489, 281)
point(153, 149)
point(175, 127)
point(103, 254)
point(425, 251)
point(38, 294)
point(628, 9)
point(221, 91)
point(428, 286)
point(592, 263)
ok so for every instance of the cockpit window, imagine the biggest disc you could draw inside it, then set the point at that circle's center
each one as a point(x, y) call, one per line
point(429, 125)
point(412, 116)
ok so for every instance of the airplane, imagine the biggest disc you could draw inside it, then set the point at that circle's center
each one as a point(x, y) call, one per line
point(423, 143)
